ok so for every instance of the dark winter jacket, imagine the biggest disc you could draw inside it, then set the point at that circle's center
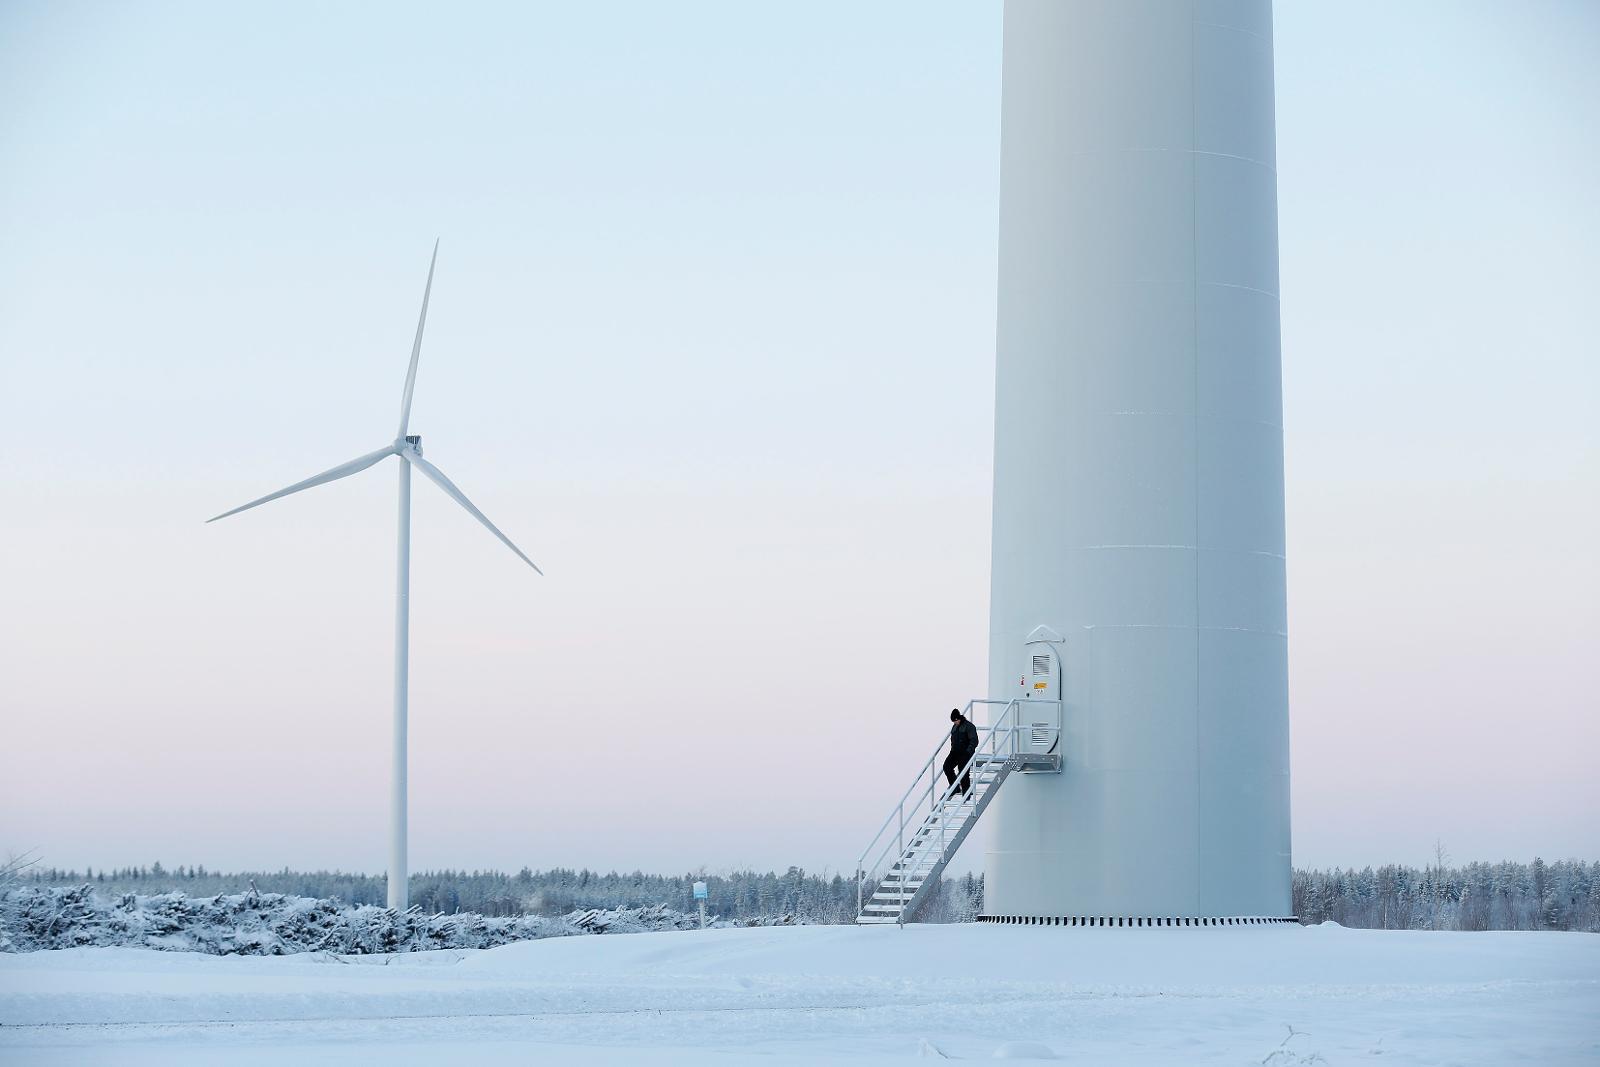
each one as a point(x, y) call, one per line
point(963, 738)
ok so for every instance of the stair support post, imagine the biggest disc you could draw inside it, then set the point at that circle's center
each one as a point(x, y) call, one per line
point(941, 832)
point(900, 916)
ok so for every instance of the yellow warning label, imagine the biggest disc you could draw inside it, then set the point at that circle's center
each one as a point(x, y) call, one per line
point(1039, 685)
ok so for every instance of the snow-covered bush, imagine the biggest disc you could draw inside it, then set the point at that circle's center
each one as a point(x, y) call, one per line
point(274, 924)
point(11, 871)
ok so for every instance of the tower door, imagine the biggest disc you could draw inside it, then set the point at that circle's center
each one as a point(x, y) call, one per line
point(1039, 687)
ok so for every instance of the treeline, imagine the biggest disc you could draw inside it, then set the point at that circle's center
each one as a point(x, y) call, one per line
point(1564, 895)
point(736, 895)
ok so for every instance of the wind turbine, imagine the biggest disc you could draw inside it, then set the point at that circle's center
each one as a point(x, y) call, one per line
point(409, 449)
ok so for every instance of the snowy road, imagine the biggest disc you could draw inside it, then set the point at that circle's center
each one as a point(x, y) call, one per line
point(825, 994)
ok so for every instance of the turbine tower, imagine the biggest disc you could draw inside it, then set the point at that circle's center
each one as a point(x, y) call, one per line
point(1138, 490)
point(409, 450)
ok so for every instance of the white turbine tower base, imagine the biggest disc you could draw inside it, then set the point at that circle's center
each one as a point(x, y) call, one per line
point(409, 450)
point(1138, 506)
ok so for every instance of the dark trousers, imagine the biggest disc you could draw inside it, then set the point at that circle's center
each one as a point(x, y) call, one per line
point(952, 767)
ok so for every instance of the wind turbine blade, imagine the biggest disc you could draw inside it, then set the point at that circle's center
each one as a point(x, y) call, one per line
point(416, 346)
point(436, 476)
point(332, 474)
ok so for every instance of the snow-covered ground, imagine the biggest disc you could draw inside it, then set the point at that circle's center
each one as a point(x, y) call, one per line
point(805, 995)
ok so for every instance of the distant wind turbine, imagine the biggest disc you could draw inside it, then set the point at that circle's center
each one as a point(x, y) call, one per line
point(409, 449)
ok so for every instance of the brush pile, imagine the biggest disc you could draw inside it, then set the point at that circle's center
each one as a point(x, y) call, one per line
point(275, 924)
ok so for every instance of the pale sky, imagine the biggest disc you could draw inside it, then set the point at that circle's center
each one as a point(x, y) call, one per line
point(712, 338)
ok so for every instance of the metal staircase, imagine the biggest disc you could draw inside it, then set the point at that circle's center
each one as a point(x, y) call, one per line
point(916, 842)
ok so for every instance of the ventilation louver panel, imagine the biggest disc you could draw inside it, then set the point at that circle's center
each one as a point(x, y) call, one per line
point(1041, 665)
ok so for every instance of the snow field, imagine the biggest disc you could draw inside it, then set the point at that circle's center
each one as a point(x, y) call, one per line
point(832, 994)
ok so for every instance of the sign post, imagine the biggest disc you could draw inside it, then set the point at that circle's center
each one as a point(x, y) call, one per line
point(700, 897)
